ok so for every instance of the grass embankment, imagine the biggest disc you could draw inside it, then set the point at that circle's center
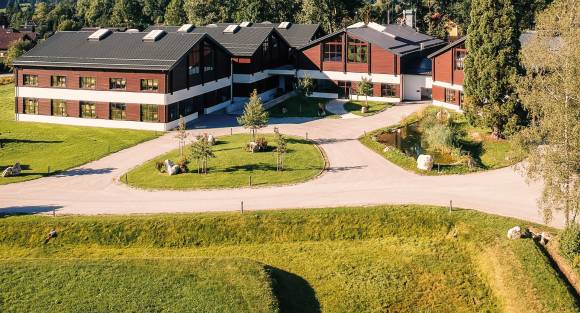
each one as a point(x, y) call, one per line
point(372, 259)
point(488, 153)
point(233, 166)
point(298, 107)
point(374, 107)
point(38, 146)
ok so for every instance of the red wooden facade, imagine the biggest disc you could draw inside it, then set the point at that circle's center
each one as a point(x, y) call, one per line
point(448, 68)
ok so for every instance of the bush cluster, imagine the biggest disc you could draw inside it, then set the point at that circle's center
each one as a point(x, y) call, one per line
point(570, 244)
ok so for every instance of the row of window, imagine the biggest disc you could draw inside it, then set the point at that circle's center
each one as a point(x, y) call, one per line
point(325, 85)
point(195, 60)
point(88, 109)
point(356, 51)
point(91, 82)
point(460, 59)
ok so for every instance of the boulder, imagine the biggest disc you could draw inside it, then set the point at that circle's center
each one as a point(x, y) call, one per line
point(171, 167)
point(425, 162)
point(16, 169)
point(7, 172)
point(514, 233)
point(211, 140)
point(388, 148)
point(364, 109)
point(253, 146)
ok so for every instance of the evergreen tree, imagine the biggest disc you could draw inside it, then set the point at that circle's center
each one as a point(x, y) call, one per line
point(491, 65)
point(175, 15)
point(550, 91)
point(254, 116)
point(127, 13)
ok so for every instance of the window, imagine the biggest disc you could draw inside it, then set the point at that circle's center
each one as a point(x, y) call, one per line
point(118, 111)
point(357, 51)
point(332, 50)
point(150, 84)
point(117, 83)
point(58, 107)
point(461, 98)
point(30, 80)
point(194, 61)
point(173, 109)
point(459, 59)
point(30, 106)
point(88, 109)
point(208, 58)
point(88, 82)
point(149, 113)
point(325, 85)
point(389, 90)
point(449, 95)
point(58, 81)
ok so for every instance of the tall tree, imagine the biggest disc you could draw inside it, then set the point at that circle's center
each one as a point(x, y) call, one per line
point(202, 12)
point(254, 116)
point(491, 66)
point(304, 88)
point(550, 91)
point(175, 15)
point(15, 50)
point(127, 13)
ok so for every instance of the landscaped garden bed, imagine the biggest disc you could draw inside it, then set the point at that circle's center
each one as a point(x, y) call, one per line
point(300, 107)
point(373, 107)
point(234, 166)
point(455, 146)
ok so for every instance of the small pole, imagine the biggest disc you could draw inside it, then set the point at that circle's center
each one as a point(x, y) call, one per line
point(450, 206)
point(242, 207)
point(126, 179)
point(231, 131)
point(250, 180)
point(306, 135)
point(48, 171)
point(53, 213)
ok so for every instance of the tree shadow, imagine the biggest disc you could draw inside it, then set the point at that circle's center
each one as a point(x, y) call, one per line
point(11, 141)
point(27, 210)
point(85, 171)
point(345, 168)
point(250, 167)
point(293, 292)
point(475, 149)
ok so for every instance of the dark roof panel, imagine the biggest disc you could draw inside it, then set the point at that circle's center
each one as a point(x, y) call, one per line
point(116, 51)
point(297, 35)
point(447, 47)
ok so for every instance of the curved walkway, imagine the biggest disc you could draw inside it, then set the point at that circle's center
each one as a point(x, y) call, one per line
point(356, 176)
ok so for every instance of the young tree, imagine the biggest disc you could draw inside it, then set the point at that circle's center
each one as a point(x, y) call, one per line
point(491, 66)
point(181, 134)
point(365, 88)
point(304, 88)
point(281, 149)
point(175, 15)
point(201, 150)
point(550, 92)
point(15, 50)
point(254, 116)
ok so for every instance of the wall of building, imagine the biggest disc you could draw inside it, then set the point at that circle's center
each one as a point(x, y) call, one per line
point(444, 69)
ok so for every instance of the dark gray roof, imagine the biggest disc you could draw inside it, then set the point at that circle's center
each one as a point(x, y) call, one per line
point(297, 35)
point(447, 47)
point(399, 39)
point(118, 50)
point(243, 42)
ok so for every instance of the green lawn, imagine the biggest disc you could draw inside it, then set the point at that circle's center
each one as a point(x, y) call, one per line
point(370, 259)
point(233, 166)
point(487, 152)
point(38, 146)
point(374, 107)
point(309, 107)
point(136, 285)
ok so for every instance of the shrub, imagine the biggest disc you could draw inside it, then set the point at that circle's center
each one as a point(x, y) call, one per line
point(262, 143)
point(160, 166)
point(570, 242)
point(182, 163)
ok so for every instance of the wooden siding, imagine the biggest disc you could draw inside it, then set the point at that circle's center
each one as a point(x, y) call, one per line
point(444, 67)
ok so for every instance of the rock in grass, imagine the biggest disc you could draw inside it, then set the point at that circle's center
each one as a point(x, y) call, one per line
point(514, 233)
point(171, 168)
point(12, 170)
point(425, 162)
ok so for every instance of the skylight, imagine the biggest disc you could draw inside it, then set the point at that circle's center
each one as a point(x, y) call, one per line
point(185, 28)
point(154, 35)
point(284, 25)
point(100, 34)
point(231, 29)
point(246, 24)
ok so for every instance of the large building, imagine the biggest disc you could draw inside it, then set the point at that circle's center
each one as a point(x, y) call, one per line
point(447, 74)
point(147, 80)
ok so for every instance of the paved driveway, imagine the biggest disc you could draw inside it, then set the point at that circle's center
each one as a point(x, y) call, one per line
point(356, 176)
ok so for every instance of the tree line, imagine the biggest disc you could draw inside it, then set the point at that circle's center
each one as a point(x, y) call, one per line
point(431, 15)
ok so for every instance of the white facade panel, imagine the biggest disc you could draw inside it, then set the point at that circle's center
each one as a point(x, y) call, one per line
point(350, 76)
point(412, 85)
point(447, 105)
point(448, 85)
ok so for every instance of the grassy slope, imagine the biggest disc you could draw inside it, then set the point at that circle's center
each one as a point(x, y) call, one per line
point(376, 259)
point(490, 153)
point(309, 107)
point(233, 166)
point(143, 285)
point(37, 146)
point(354, 107)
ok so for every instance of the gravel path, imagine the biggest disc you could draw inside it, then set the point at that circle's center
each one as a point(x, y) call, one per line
point(356, 176)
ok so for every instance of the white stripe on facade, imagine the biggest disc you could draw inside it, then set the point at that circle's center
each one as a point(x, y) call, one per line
point(95, 122)
point(250, 78)
point(120, 96)
point(447, 85)
point(350, 76)
point(447, 105)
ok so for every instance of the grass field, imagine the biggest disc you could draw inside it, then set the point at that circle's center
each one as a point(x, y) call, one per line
point(488, 153)
point(233, 166)
point(38, 146)
point(372, 259)
point(309, 107)
point(374, 107)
